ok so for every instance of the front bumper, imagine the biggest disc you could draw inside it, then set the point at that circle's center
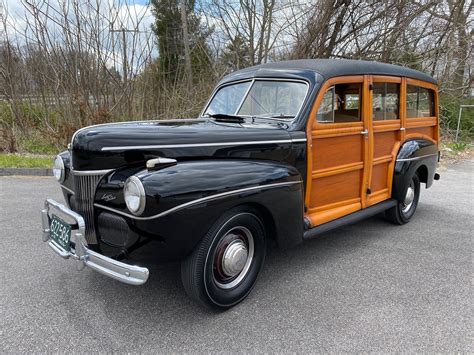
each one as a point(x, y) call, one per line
point(130, 274)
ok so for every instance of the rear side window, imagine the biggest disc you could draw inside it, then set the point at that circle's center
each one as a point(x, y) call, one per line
point(420, 102)
point(385, 101)
point(341, 103)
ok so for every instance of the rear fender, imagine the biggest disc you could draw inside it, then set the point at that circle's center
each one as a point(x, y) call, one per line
point(417, 155)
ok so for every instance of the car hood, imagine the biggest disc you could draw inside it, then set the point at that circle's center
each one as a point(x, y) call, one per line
point(117, 144)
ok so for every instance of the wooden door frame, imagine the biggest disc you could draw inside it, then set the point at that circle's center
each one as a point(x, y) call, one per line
point(387, 125)
point(336, 129)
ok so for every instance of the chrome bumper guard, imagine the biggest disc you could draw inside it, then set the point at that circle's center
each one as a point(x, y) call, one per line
point(129, 274)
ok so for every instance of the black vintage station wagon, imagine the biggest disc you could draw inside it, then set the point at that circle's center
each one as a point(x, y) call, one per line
point(282, 152)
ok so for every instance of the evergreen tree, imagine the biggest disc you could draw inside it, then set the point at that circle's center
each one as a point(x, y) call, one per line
point(169, 34)
point(236, 54)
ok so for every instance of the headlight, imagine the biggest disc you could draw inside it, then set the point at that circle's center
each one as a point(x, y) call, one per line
point(58, 169)
point(134, 195)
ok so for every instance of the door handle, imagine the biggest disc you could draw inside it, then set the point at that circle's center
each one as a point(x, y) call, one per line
point(365, 132)
point(402, 129)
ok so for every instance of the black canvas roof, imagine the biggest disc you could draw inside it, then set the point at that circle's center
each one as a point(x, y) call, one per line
point(329, 68)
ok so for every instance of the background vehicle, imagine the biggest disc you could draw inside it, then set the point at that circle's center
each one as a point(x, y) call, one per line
point(283, 152)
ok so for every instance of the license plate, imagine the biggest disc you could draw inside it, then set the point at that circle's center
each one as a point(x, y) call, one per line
point(60, 232)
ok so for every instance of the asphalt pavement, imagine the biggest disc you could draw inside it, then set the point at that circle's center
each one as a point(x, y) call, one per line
point(371, 286)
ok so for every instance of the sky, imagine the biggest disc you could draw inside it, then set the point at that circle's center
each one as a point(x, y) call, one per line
point(139, 2)
point(114, 15)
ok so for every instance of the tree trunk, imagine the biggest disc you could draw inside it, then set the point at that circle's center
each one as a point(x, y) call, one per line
point(187, 52)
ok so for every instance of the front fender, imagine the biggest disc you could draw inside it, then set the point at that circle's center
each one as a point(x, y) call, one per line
point(184, 200)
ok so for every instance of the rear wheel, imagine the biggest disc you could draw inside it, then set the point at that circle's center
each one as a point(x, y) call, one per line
point(404, 211)
point(223, 268)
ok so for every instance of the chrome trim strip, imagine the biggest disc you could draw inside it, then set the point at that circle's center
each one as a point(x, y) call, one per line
point(67, 189)
point(417, 158)
point(199, 200)
point(90, 172)
point(196, 145)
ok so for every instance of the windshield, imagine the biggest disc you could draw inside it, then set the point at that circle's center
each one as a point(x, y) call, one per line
point(259, 98)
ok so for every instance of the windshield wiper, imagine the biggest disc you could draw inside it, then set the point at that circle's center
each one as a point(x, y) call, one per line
point(274, 115)
point(223, 117)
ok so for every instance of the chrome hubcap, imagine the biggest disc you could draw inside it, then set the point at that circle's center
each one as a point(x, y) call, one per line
point(409, 197)
point(233, 257)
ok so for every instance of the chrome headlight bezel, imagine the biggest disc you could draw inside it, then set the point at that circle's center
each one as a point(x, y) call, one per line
point(132, 183)
point(59, 170)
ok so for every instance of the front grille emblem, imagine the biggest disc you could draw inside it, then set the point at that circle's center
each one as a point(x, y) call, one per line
point(108, 197)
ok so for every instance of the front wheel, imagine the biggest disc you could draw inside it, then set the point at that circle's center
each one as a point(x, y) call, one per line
point(222, 269)
point(404, 211)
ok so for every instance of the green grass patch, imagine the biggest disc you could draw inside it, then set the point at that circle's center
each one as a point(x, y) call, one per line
point(457, 146)
point(38, 145)
point(25, 161)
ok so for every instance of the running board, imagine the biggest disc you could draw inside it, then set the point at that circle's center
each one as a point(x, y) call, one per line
point(351, 218)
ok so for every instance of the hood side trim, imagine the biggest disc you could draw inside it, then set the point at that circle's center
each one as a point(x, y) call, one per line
point(199, 200)
point(195, 145)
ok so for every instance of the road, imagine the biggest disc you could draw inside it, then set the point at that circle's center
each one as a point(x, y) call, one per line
point(371, 286)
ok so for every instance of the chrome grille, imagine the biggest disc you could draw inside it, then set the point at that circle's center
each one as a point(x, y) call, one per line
point(84, 191)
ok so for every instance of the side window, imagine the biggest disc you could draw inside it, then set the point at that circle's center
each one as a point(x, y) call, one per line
point(326, 108)
point(420, 102)
point(385, 101)
point(341, 103)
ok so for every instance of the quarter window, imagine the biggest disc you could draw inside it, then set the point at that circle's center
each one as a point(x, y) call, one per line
point(420, 102)
point(341, 103)
point(385, 101)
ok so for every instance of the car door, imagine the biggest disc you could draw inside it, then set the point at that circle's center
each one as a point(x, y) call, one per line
point(386, 133)
point(338, 150)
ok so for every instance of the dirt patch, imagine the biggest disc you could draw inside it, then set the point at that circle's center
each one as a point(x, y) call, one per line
point(451, 156)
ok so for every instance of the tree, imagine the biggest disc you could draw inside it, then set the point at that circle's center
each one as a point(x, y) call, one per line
point(236, 54)
point(178, 45)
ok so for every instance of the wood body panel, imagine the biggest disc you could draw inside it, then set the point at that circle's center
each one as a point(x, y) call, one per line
point(336, 188)
point(348, 170)
point(384, 141)
point(338, 150)
point(337, 163)
point(422, 132)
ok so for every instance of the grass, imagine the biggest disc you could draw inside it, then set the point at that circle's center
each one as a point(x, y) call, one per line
point(458, 146)
point(25, 161)
point(36, 144)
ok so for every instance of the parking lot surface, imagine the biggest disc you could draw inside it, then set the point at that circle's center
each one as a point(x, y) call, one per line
point(371, 286)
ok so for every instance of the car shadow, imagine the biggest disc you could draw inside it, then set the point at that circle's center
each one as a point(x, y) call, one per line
point(163, 298)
